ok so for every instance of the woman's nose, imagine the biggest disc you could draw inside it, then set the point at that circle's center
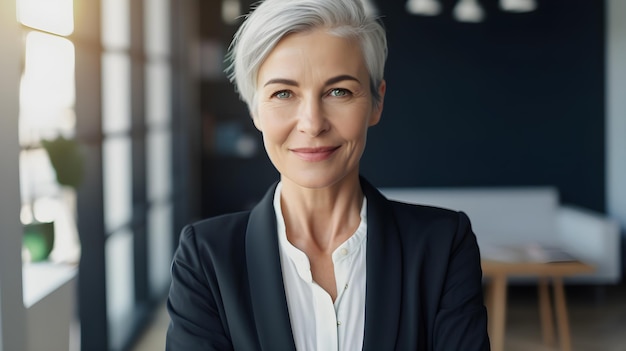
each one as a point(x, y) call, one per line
point(312, 119)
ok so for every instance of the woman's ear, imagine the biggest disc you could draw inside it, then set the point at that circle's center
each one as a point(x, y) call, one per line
point(378, 107)
point(257, 124)
point(255, 120)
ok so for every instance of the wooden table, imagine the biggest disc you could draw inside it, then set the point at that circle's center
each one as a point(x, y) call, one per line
point(497, 274)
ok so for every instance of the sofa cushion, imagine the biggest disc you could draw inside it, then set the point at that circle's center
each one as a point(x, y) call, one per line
point(499, 216)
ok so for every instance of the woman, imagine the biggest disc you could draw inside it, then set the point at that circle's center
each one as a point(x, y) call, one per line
point(324, 261)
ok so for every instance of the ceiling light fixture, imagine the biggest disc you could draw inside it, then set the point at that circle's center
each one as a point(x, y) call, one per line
point(423, 7)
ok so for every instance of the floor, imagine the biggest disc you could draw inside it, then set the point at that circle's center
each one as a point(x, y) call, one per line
point(597, 321)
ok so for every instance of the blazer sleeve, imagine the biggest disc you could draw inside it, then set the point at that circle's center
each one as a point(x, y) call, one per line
point(193, 302)
point(461, 321)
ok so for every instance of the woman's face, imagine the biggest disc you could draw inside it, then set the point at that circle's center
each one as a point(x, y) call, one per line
point(314, 108)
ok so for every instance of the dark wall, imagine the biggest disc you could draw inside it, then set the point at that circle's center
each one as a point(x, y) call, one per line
point(515, 100)
point(233, 180)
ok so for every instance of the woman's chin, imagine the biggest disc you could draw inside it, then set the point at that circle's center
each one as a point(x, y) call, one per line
point(318, 179)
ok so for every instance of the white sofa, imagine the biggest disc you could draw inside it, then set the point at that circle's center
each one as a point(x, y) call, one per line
point(521, 216)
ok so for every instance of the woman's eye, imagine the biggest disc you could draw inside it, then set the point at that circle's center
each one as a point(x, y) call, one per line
point(283, 94)
point(338, 92)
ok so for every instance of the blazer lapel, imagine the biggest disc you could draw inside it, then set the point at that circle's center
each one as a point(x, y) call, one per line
point(269, 302)
point(384, 272)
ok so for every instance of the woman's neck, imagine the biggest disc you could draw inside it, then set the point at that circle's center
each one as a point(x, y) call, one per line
point(321, 219)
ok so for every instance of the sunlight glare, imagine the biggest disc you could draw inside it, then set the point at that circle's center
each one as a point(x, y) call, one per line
point(116, 24)
point(54, 16)
point(47, 90)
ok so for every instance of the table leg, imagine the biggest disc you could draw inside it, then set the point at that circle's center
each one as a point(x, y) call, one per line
point(545, 312)
point(561, 314)
point(496, 308)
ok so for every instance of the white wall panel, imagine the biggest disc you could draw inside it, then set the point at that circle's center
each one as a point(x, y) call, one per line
point(12, 312)
point(616, 110)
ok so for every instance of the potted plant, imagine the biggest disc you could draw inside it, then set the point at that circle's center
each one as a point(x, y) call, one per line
point(67, 161)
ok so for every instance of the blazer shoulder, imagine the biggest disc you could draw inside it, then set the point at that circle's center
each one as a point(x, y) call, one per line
point(417, 212)
point(436, 223)
point(216, 230)
point(416, 221)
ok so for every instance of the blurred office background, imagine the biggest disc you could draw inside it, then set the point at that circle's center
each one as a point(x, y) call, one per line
point(490, 93)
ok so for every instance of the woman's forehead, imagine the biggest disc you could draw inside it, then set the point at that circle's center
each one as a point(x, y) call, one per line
point(317, 52)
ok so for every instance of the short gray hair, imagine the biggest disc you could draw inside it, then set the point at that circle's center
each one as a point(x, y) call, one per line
point(271, 20)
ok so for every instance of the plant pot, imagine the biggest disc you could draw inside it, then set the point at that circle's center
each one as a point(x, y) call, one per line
point(38, 240)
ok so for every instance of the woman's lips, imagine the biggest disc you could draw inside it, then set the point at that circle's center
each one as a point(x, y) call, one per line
point(315, 154)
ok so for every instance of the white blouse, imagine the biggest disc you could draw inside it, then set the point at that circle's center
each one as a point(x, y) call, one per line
point(316, 322)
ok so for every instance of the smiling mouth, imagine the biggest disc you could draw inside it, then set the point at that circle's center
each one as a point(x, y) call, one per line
point(315, 154)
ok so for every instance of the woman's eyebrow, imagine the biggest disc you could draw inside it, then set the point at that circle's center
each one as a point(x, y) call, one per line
point(330, 81)
point(341, 78)
point(281, 81)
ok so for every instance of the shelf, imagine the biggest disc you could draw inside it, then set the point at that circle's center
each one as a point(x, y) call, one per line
point(43, 278)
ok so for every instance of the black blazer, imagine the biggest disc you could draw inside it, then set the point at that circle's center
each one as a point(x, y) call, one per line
point(423, 289)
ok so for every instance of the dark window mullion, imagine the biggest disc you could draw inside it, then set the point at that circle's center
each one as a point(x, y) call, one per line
point(186, 129)
point(92, 300)
point(138, 112)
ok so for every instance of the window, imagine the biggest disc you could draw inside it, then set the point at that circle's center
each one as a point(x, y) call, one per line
point(99, 77)
point(124, 116)
point(47, 98)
